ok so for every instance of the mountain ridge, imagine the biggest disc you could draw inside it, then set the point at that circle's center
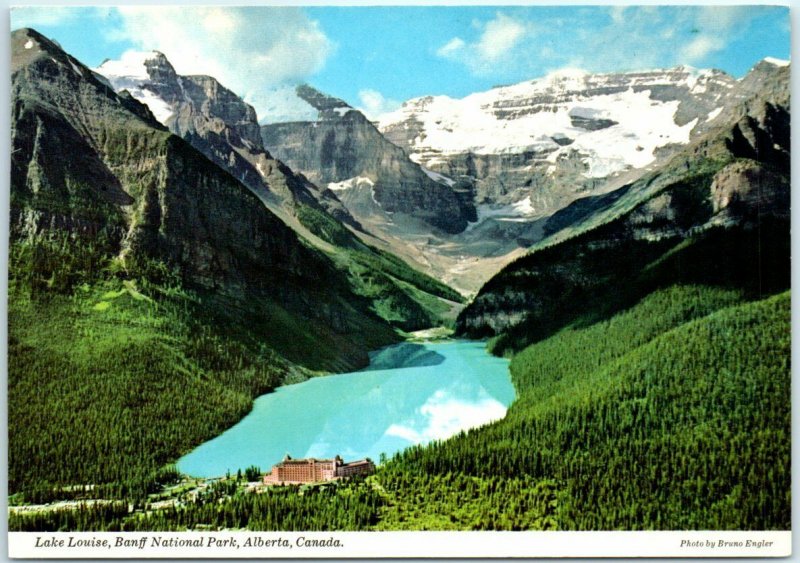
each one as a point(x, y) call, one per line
point(551, 116)
point(342, 145)
point(224, 128)
point(150, 194)
point(221, 125)
point(592, 144)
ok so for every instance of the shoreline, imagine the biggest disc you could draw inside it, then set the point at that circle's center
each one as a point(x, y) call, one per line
point(415, 359)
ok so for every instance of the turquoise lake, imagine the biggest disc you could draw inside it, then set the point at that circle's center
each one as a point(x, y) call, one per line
point(410, 394)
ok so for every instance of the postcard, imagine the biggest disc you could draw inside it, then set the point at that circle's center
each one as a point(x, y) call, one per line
point(399, 281)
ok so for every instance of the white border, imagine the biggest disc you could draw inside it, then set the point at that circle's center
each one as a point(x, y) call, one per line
point(361, 545)
point(19, 545)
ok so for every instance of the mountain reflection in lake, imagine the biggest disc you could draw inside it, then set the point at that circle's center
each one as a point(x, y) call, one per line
point(410, 394)
point(403, 355)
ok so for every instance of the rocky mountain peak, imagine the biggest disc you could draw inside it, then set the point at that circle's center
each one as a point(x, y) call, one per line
point(217, 122)
point(768, 75)
point(27, 44)
point(522, 143)
point(185, 103)
point(775, 62)
point(328, 106)
point(211, 99)
point(180, 100)
point(138, 66)
point(159, 69)
point(88, 170)
point(148, 76)
point(372, 177)
point(35, 56)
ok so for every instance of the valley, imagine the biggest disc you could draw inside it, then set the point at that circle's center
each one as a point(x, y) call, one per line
point(559, 304)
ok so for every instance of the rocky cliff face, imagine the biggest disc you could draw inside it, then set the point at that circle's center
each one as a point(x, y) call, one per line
point(99, 169)
point(753, 126)
point(219, 124)
point(344, 151)
point(665, 226)
point(549, 141)
point(540, 157)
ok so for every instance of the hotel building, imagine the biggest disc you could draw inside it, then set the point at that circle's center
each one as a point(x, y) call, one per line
point(297, 471)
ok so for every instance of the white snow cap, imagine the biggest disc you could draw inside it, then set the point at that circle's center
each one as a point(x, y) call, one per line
point(129, 66)
point(510, 119)
point(130, 73)
point(776, 62)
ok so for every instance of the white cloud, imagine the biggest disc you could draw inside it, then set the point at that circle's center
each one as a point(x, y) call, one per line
point(701, 47)
point(653, 36)
point(597, 38)
point(498, 39)
point(249, 50)
point(714, 26)
point(451, 47)
point(373, 104)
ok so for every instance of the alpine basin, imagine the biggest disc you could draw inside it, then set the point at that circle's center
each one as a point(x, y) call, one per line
point(410, 394)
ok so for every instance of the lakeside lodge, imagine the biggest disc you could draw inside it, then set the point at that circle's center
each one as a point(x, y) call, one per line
point(299, 471)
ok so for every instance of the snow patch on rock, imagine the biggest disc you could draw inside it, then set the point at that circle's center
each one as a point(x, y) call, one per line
point(130, 67)
point(519, 211)
point(714, 113)
point(524, 206)
point(350, 183)
point(357, 183)
point(75, 67)
point(161, 109)
point(438, 177)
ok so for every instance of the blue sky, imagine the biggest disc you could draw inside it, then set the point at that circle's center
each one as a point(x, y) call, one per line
point(377, 57)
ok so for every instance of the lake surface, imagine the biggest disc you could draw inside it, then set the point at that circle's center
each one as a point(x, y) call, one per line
point(410, 394)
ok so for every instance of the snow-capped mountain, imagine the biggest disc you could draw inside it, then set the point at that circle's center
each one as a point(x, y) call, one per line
point(522, 144)
point(146, 76)
point(219, 124)
point(646, 110)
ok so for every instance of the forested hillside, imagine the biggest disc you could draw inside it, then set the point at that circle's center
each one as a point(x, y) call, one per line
point(725, 195)
point(404, 297)
point(650, 341)
point(672, 415)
